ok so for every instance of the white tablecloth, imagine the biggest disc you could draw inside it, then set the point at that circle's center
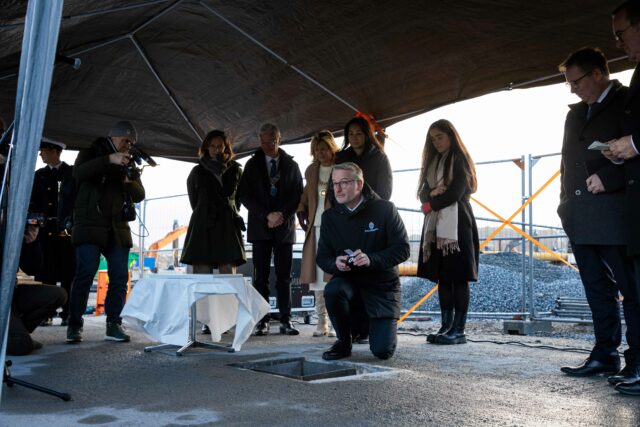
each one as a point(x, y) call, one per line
point(159, 306)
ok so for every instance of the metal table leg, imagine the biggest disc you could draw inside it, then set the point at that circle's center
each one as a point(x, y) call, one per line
point(192, 341)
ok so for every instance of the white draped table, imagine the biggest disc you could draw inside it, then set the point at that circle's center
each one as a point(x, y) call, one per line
point(161, 306)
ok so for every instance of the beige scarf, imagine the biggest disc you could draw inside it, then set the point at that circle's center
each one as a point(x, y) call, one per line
point(441, 226)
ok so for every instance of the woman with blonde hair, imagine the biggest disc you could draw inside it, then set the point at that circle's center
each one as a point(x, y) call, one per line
point(214, 236)
point(449, 249)
point(312, 203)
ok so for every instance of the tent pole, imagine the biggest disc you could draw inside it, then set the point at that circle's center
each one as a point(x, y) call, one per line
point(41, 29)
point(278, 57)
point(164, 86)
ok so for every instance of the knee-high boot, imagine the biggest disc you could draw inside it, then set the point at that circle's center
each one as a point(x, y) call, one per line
point(447, 322)
point(455, 335)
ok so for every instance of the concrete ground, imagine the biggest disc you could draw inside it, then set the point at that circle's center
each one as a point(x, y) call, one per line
point(480, 383)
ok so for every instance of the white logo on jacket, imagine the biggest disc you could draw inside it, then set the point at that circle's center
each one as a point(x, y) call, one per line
point(372, 228)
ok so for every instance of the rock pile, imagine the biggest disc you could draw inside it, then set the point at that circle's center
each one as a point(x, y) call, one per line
point(499, 286)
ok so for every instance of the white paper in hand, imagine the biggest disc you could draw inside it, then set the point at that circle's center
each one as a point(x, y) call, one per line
point(597, 145)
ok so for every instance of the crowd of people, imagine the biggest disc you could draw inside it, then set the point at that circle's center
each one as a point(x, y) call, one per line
point(354, 236)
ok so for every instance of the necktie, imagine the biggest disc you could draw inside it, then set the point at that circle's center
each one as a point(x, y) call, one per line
point(274, 169)
point(273, 178)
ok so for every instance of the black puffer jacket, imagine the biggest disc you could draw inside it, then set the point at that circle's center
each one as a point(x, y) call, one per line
point(101, 195)
point(376, 228)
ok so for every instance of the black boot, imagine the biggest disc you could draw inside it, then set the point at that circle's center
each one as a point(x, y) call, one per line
point(455, 335)
point(447, 322)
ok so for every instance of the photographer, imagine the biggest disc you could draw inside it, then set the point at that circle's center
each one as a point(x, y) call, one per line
point(362, 240)
point(108, 185)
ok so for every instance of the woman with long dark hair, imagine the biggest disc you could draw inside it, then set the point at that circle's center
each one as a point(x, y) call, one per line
point(449, 248)
point(361, 147)
point(214, 236)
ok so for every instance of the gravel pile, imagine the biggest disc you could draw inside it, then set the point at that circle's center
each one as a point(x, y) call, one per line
point(499, 286)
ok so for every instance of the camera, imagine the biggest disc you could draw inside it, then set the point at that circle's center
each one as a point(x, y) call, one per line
point(351, 258)
point(131, 172)
point(128, 212)
point(36, 219)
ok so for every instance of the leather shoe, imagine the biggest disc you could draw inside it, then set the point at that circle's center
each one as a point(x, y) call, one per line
point(262, 329)
point(627, 375)
point(337, 351)
point(631, 389)
point(360, 339)
point(591, 367)
point(286, 328)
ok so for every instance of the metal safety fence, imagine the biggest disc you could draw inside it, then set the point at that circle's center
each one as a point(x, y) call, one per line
point(507, 185)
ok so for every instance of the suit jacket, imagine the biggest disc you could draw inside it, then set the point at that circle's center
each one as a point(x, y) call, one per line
point(592, 219)
point(255, 194)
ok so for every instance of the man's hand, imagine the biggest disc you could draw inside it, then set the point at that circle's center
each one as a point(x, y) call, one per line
point(31, 233)
point(341, 263)
point(303, 220)
point(360, 259)
point(275, 219)
point(622, 148)
point(120, 159)
point(594, 184)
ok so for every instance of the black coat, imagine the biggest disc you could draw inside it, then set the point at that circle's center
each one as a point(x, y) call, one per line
point(102, 192)
point(631, 126)
point(376, 169)
point(255, 194)
point(52, 196)
point(592, 219)
point(376, 228)
point(459, 266)
point(214, 235)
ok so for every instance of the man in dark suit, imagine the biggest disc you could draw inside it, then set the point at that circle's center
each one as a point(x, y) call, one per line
point(626, 30)
point(270, 188)
point(591, 198)
point(52, 197)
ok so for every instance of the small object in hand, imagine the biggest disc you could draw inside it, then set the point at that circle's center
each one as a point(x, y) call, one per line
point(597, 145)
point(351, 259)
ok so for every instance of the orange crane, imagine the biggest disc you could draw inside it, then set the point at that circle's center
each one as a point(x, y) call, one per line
point(171, 236)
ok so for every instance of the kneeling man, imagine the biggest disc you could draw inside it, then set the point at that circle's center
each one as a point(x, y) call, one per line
point(362, 241)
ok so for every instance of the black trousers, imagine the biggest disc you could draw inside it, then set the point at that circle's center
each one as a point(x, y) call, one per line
point(58, 262)
point(31, 304)
point(282, 262)
point(341, 297)
point(605, 270)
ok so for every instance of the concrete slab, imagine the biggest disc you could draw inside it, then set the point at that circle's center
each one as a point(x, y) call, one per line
point(118, 384)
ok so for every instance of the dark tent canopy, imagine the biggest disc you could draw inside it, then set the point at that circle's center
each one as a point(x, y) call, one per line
point(180, 68)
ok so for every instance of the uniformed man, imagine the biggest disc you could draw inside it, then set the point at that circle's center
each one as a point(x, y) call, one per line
point(52, 202)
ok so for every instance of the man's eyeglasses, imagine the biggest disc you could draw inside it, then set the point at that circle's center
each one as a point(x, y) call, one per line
point(618, 34)
point(342, 184)
point(574, 83)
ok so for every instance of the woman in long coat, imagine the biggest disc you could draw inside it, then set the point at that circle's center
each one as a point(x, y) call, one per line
point(312, 203)
point(214, 237)
point(449, 249)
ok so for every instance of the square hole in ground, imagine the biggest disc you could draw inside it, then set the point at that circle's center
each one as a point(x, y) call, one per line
point(300, 368)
